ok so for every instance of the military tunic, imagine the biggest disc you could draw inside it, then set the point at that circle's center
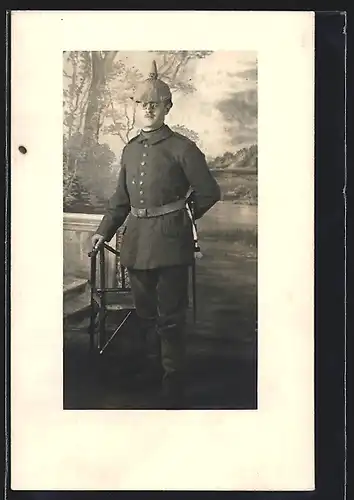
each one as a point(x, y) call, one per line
point(158, 168)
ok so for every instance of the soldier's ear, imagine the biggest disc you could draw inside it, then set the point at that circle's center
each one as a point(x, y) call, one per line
point(168, 106)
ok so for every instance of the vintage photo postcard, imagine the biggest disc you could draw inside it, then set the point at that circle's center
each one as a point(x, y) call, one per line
point(215, 94)
point(162, 250)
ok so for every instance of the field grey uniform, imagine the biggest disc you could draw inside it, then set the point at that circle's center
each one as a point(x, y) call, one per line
point(157, 169)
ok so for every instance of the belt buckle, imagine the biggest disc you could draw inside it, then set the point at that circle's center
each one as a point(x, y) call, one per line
point(142, 212)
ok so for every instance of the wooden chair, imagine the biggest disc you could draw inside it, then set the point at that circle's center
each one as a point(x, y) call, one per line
point(106, 299)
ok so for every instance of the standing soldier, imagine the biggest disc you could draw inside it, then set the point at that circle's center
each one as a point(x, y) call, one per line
point(158, 168)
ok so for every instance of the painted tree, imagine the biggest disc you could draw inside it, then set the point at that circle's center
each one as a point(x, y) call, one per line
point(187, 132)
point(100, 86)
point(101, 70)
point(119, 112)
point(77, 77)
point(86, 162)
point(97, 90)
point(173, 67)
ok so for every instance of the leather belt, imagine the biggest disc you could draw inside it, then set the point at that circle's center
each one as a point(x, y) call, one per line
point(158, 211)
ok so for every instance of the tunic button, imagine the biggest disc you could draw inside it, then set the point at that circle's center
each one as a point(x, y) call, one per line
point(145, 145)
point(141, 192)
point(142, 163)
point(133, 182)
point(141, 183)
point(144, 154)
point(142, 173)
point(141, 201)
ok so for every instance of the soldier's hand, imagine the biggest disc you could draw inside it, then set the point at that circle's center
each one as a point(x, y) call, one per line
point(97, 241)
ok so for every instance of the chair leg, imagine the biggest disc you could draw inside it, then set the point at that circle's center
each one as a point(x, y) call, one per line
point(118, 328)
point(101, 326)
point(93, 324)
point(93, 315)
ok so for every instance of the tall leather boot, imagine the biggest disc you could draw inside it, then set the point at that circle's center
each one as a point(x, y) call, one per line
point(173, 354)
point(139, 346)
point(154, 370)
point(148, 355)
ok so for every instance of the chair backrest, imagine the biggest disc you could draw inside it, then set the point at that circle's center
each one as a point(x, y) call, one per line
point(121, 273)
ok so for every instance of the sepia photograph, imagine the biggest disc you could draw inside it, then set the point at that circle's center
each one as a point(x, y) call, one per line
point(160, 229)
point(162, 251)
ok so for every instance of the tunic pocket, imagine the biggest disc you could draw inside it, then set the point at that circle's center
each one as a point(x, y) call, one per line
point(175, 225)
point(130, 230)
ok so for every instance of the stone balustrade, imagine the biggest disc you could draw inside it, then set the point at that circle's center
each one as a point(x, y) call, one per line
point(78, 230)
point(224, 218)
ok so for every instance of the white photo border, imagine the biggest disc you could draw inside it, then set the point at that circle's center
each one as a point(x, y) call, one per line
point(271, 448)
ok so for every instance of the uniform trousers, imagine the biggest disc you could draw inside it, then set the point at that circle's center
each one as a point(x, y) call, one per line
point(161, 302)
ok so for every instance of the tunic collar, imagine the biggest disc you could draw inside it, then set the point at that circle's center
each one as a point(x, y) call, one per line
point(156, 136)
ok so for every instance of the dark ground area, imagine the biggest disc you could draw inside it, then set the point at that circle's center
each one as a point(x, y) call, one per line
point(222, 345)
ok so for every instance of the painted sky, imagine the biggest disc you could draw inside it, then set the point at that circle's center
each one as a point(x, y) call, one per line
point(223, 109)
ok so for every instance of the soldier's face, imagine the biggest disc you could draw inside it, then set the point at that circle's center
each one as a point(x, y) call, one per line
point(151, 115)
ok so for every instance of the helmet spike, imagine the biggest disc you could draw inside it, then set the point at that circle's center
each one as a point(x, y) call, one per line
point(152, 89)
point(153, 71)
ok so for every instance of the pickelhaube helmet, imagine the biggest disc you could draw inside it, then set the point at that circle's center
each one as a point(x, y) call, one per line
point(152, 89)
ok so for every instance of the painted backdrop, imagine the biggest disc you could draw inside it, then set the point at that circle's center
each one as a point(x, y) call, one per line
point(215, 104)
